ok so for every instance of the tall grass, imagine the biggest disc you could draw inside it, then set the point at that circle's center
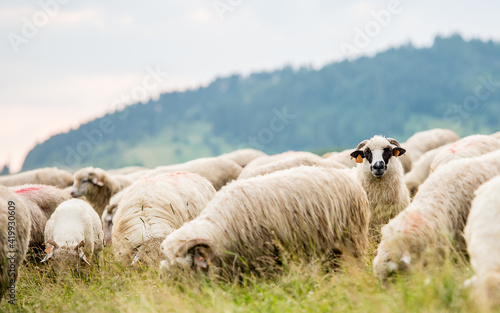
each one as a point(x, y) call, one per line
point(300, 288)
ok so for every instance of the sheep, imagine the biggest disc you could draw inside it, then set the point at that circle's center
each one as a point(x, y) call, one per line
point(381, 174)
point(151, 209)
point(126, 170)
point(421, 170)
point(109, 214)
point(73, 232)
point(496, 135)
point(243, 157)
point(308, 211)
point(14, 239)
point(218, 171)
point(275, 157)
point(436, 216)
point(41, 201)
point(44, 176)
point(481, 234)
point(97, 186)
point(343, 157)
point(424, 141)
point(466, 147)
point(286, 163)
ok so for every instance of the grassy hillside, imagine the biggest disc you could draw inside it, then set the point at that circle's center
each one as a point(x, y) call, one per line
point(453, 84)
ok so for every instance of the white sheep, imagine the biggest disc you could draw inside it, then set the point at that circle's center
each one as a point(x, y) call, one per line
point(15, 228)
point(343, 157)
point(381, 174)
point(126, 170)
point(286, 163)
point(437, 215)
point(41, 201)
point(424, 141)
point(421, 170)
point(151, 209)
point(496, 135)
point(466, 147)
point(482, 234)
point(219, 171)
point(307, 211)
point(98, 186)
point(74, 232)
point(275, 157)
point(243, 157)
point(45, 176)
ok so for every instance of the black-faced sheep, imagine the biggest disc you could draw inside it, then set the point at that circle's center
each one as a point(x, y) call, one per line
point(381, 174)
point(307, 211)
point(151, 209)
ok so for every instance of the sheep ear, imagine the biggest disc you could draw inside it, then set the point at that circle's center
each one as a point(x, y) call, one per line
point(358, 155)
point(398, 151)
point(393, 141)
point(202, 257)
point(187, 246)
point(96, 181)
point(82, 255)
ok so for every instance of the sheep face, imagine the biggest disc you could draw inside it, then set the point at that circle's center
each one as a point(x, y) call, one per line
point(85, 180)
point(376, 153)
point(193, 255)
point(107, 221)
point(391, 259)
point(67, 254)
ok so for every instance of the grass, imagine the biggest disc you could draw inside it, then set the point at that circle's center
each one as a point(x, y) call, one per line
point(300, 288)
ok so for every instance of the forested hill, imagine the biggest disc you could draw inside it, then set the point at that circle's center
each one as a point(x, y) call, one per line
point(453, 84)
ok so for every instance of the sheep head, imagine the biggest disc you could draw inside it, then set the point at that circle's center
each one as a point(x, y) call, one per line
point(53, 250)
point(87, 179)
point(377, 153)
point(195, 254)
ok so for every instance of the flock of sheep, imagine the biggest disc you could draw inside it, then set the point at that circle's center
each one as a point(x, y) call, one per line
point(246, 211)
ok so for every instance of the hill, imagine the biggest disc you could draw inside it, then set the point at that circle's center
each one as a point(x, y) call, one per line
point(453, 84)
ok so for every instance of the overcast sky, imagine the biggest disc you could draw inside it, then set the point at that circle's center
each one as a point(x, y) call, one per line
point(66, 62)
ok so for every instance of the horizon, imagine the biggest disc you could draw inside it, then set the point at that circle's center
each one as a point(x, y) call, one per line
point(65, 90)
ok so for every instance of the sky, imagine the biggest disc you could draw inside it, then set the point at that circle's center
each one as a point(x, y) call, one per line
point(63, 62)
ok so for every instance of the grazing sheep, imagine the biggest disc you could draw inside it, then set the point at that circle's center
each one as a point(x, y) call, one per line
point(15, 228)
point(343, 157)
point(287, 163)
point(308, 211)
point(73, 232)
point(421, 170)
point(98, 186)
point(218, 171)
point(381, 174)
point(154, 207)
point(109, 214)
point(424, 141)
point(45, 176)
point(41, 201)
point(467, 147)
point(482, 234)
point(243, 157)
point(436, 216)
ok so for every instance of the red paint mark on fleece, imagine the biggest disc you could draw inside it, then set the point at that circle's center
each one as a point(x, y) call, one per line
point(456, 147)
point(413, 222)
point(29, 189)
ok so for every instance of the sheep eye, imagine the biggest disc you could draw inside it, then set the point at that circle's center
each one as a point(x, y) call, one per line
point(85, 180)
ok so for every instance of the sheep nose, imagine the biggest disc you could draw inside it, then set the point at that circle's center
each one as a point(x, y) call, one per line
point(379, 165)
point(73, 194)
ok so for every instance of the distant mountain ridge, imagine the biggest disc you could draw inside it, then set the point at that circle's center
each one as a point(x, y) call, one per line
point(453, 84)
